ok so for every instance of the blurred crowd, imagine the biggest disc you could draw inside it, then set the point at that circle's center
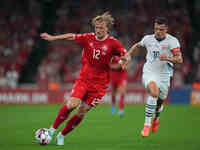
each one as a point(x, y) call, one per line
point(17, 35)
point(19, 26)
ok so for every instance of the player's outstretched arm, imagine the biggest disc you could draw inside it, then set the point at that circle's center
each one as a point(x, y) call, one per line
point(125, 60)
point(133, 49)
point(48, 37)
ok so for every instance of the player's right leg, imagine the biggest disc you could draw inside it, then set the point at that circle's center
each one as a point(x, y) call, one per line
point(163, 93)
point(150, 109)
point(89, 100)
point(73, 122)
point(113, 102)
point(63, 113)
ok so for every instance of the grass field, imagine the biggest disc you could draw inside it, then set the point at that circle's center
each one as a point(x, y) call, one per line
point(180, 129)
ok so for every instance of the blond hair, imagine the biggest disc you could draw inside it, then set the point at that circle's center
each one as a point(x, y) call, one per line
point(105, 17)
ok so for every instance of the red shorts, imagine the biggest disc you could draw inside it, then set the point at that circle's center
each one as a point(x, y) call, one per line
point(117, 83)
point(118, 79)
point(90, 94)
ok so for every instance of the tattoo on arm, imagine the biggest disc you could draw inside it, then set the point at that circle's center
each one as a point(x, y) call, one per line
point(176, 58)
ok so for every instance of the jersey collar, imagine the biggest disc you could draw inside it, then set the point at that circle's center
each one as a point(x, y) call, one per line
point(101, 39)
point(160, 39)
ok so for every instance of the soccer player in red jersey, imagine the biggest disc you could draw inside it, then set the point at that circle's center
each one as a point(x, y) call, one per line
point(118, 78)
point(98, 49)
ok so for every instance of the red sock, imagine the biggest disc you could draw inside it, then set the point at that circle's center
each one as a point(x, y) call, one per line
point(121, 102)
point(62, 116)
point(71, 124)
point(113, 99)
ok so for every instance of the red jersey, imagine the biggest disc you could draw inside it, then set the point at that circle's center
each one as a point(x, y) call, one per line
point(96, 58)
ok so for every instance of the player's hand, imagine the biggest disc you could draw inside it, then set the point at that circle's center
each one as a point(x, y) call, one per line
point(163, 57)
point(47, 37)
point(125, 61)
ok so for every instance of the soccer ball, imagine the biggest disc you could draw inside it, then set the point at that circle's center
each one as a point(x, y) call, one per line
point(42, 136)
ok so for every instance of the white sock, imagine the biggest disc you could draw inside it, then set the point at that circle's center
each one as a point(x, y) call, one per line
point(52, 131)
point(60, 135)
point(150, 109)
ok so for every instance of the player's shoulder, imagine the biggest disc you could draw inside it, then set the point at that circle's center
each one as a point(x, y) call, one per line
point(112, 38)
point(171, 37)
point(148, 36)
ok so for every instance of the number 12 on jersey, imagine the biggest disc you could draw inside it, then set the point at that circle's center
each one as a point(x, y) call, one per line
point(96, 53)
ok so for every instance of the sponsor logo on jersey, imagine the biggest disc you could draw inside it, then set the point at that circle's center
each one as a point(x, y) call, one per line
point(163, 46)
point(103, 53)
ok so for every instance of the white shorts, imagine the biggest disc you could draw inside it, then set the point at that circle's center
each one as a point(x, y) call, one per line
point(163, 83)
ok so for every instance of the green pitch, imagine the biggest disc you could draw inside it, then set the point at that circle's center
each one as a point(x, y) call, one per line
point(180, 129)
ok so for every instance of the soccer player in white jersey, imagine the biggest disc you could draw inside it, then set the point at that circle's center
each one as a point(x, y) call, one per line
point(163, 50)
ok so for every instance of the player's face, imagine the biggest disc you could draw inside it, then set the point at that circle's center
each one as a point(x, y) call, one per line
point(160, 31)
point(101, 30)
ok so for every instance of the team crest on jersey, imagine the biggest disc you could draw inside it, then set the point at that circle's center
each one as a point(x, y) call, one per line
point(105, 48)
point(91, 44)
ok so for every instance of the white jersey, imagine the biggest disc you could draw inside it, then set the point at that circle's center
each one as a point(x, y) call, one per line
point(154, 49)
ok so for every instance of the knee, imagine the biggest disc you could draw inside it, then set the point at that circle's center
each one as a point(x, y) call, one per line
point(153, 89)
point(153, 93)
point(72, 104)
point(122, 90)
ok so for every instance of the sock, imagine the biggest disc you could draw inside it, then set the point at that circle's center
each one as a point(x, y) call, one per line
point(51, 131)
point(62, 116)
point(150, 109)
point(60, 135)
point(121, 102)
point(71, 124)
point(157, 114)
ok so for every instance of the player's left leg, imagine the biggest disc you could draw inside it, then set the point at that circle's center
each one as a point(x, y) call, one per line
point(91, 99)
point(122, 91)
point(159, 109)
point(73, 122)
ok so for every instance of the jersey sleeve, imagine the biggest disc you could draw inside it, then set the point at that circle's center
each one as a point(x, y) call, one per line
point(119, 49)
point(81, 39)
point(143, 41)
point(174, 46)
point(174, 43)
